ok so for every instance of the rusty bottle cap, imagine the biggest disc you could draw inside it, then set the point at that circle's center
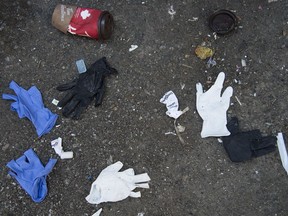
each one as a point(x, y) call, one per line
point(223, 21)
point(105, 25)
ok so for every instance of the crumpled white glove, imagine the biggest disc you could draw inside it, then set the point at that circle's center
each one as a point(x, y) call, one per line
point(57, 145)
point(112, 185)
point(212, 108)
point(172, 105)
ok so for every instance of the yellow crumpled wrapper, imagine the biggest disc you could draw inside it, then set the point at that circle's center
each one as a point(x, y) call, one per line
point(203, 52)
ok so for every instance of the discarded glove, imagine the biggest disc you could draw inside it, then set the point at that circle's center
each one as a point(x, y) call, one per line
point(31, 174)
point(241, 146)
point(29, 104)
point(212, 108)
point(112, 185)
point(83, 90)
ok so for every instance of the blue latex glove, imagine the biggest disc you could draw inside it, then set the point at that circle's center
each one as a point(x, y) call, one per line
point(31, 174)
point(29, 104)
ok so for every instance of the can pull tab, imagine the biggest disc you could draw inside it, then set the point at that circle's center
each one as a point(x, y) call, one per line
point(81, 67)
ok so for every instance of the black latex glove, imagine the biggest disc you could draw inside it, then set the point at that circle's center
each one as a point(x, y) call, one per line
point(85, 88)
point(241, 146)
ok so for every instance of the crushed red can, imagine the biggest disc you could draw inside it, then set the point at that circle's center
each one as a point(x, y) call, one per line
point(81, 21)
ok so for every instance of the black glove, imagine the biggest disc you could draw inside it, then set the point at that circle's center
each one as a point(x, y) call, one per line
point(85, 88)
point(241, 146)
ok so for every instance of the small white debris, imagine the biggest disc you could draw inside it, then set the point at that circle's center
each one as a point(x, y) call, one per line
point(133, 47)
point(220, 140)
point(255, 94)
point(172, 12)
point(238, 100)
point(180, 128)
point(98, 212)
point(172, 133)
point(55, 102)
point(182, 85)
point(73, 135)
point(193, 19)
point(215, 35)
point(243, 63)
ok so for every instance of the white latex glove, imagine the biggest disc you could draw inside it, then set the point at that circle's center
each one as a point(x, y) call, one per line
point(212, 108)
point(172, 104)
point(112, 185)
point(57, 145)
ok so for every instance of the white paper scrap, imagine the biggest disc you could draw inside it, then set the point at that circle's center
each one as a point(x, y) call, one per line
point(172, 104)
point(282, 151)
point(57, 145)
point(133, 47)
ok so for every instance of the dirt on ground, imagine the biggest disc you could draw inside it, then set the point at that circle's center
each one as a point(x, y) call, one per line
point(195, 178)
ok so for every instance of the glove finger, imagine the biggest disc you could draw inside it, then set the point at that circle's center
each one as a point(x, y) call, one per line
point(102, 65)
point(33, 158)
point(66, 99)
point(48, 168)
point(264, 151)
point(219, 80)
point(129, 171)
point(14, 167)
point(218, 85)
point(78, 111)
point(227, 94)
point(199, 88)
point(70, 107)
point(15, 87)
point(66, 86)
point(99, 81)
point(135, 194)
point(264, 145)
point(9, 97)
point(12, 173)
point(108, 67)
point(99, 97)
point(142, 185)
point(113, 167)
point(141, 178)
